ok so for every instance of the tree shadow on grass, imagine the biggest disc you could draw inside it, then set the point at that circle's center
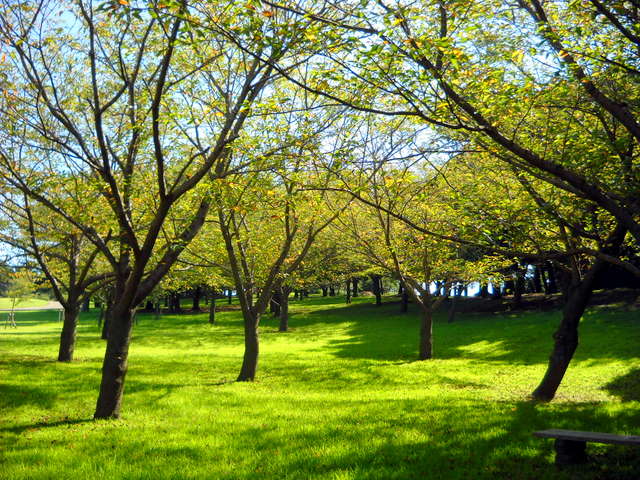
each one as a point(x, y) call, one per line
point(399, 438)
point(515, 338)
point(12, 396)
point(626, 387)
point(17, 429)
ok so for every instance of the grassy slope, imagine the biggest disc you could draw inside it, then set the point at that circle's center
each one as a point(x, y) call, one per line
point(338, 397)
point(5, 303)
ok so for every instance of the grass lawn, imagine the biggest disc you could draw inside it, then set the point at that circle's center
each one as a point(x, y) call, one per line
point(338, 397)
point(5, 303)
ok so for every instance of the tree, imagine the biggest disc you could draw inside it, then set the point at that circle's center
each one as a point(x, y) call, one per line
point(477, 73)
point(157, 113)
point(65, 258)
point(21, 286)
point(265, 245)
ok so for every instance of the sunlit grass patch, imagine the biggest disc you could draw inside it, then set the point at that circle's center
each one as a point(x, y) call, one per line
point(340, 396)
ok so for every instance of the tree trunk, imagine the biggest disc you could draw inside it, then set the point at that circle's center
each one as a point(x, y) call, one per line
point(404, 299)
point(552, 284)
point(86, 303)
point(229, 296)
point(275, 303)
point(426, 334)
point(452, 309)
point(332, 291)
point(348, 293)
point(114, 366)
point(484, 290)
point(518, 287)
point(284, 310)
point(251, 349)
point(537, 279)
point(108, 313)
point(197, 293)
point(566, 337)
point(212, 309)
point(377, 290)
point(497, 290)
point(69, 332)
point(565, 341)
point(325, 291)
point(355, 287)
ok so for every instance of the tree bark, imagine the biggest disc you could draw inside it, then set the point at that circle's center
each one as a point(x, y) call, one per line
point(251, 349)
point(114, 367)
point(325, 291)
point(348, 293)
point(212, 309)
point(552, 284)
point(518, 286)
point(404, 299)
point(108, 313)
point(566, 337)
point(284, 310)
point(276, 302)
point(332, 291)
point(565, 341)
point(377, 290)
point(452, 309)
point(355, 287)
point(69, 333)
point(426, 334)
point(229, 296)
point(197, 293)
point(537, 279)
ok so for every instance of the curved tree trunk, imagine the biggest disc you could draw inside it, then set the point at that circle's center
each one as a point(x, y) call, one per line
point(69, 332)
point(565, 342)
point(566, 337)
point(251, 349)
point(114, 367)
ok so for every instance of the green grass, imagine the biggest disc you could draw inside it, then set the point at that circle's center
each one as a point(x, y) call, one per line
point(338, 397)
point(5, 303)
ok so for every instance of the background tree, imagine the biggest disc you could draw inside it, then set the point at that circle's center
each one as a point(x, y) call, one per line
point(136, 128)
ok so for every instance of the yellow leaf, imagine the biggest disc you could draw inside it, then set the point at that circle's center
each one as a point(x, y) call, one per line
point(123, 2)
point(267, 13)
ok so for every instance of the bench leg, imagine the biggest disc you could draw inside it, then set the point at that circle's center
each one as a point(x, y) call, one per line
point(570, 452)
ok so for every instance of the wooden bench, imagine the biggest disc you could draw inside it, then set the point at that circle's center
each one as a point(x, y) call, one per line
point(571, 445)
